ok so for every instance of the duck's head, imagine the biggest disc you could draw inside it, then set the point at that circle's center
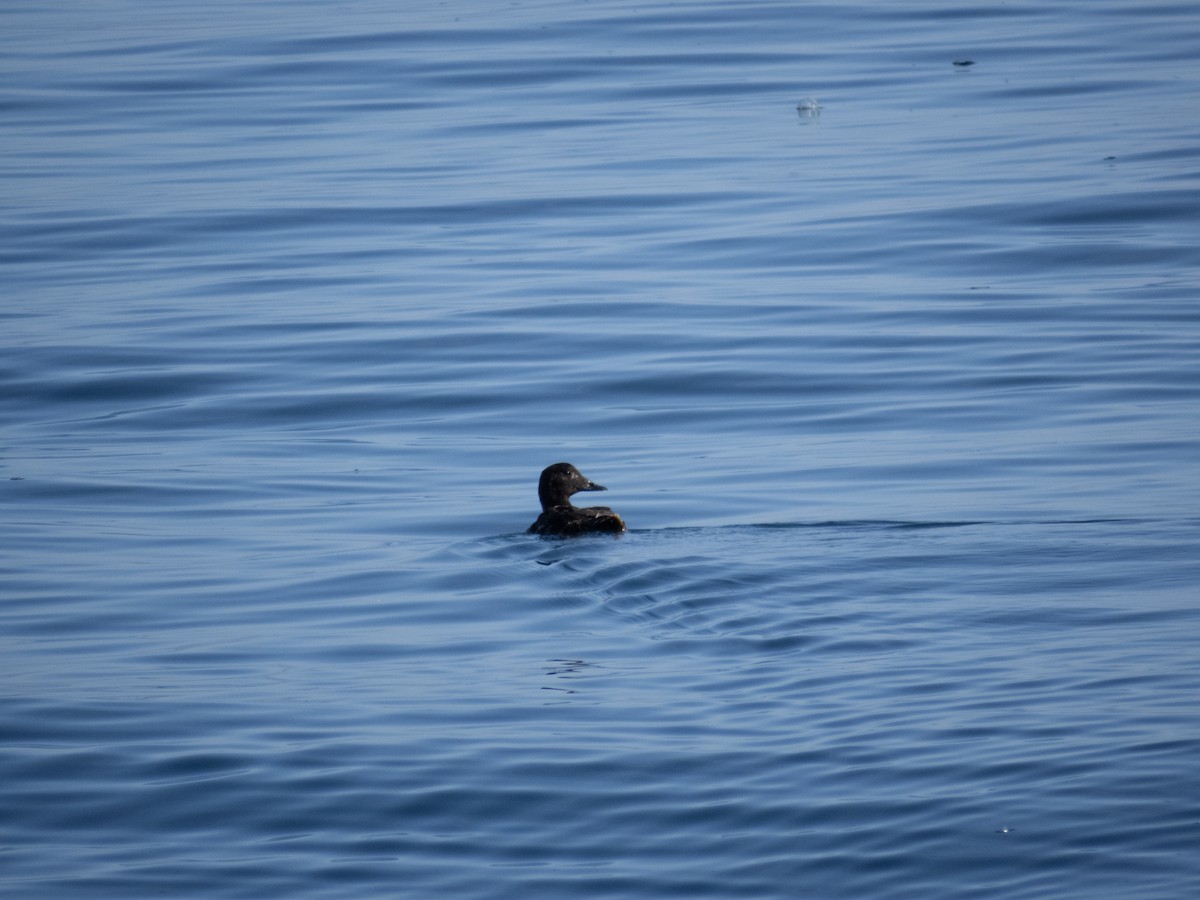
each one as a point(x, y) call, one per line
point(559, 482)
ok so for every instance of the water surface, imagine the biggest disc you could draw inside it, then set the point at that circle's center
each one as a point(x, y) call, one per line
point(898, 392)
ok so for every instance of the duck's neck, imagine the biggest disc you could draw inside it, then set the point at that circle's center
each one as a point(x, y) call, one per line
point(550, 498)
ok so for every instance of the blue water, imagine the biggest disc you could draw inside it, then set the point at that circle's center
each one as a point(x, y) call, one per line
point(899, 393)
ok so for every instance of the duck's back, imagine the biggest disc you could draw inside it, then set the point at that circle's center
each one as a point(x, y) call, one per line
point(573, 520)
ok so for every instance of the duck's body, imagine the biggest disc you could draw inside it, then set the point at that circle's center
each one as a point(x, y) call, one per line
point(568, 521)
point(559, 517)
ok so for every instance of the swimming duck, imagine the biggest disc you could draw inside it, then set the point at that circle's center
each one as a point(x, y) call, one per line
point(559, 517)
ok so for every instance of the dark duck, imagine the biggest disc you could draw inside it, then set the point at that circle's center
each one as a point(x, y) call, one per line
point(559, 517)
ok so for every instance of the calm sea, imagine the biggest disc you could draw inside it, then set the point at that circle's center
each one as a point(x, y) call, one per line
point(891, 362)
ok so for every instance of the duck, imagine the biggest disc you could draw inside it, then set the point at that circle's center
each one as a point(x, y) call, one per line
point(559, 518)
